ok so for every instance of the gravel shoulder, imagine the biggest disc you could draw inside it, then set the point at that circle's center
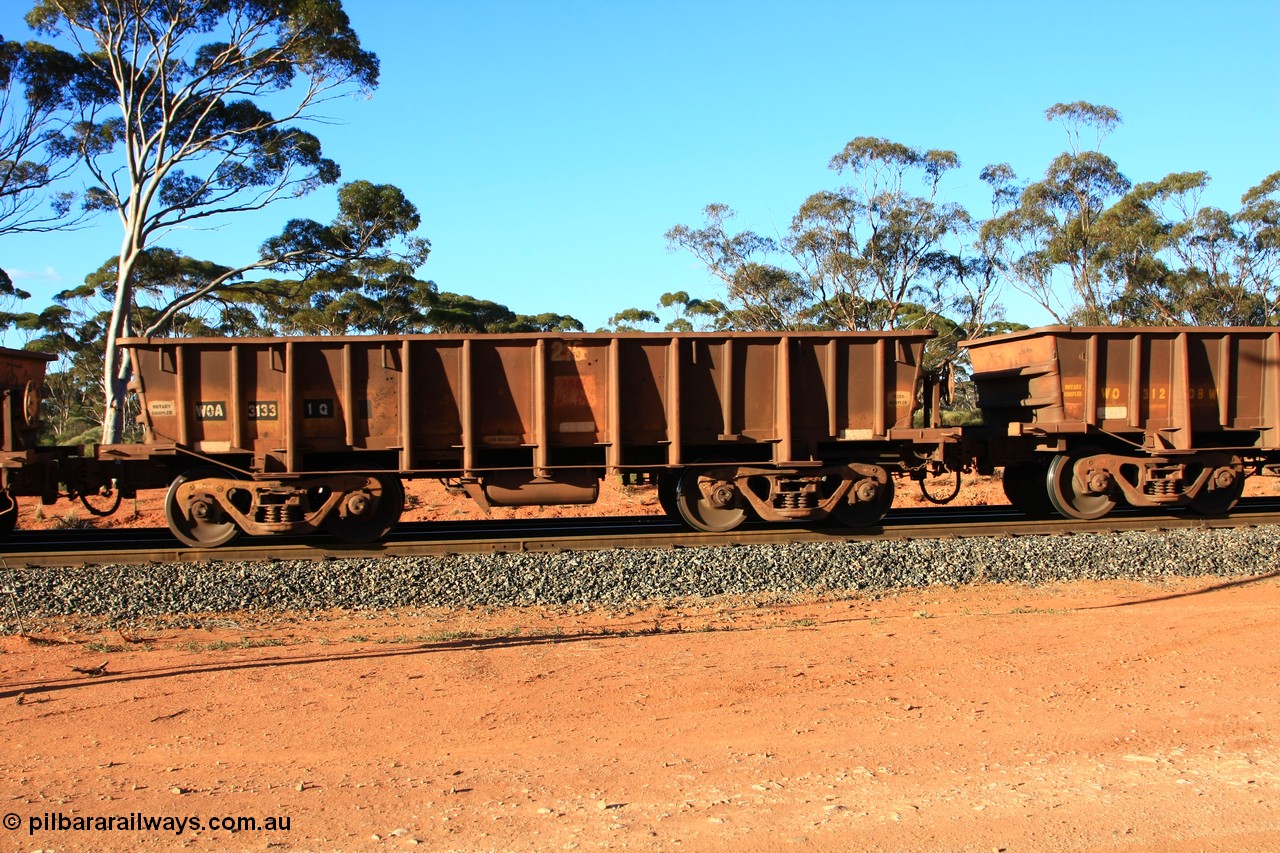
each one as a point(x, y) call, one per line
point(1085, 715)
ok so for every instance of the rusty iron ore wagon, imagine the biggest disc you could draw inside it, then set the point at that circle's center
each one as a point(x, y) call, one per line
point(1082, 418)
point(269, 436)
point(28, 468)
point(23, 463)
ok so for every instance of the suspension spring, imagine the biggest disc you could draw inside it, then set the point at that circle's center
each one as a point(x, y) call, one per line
point(1164, 488)
point(279, 513)
point(796, 500)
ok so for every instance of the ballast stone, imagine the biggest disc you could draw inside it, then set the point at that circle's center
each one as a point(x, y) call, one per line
point(124, 593)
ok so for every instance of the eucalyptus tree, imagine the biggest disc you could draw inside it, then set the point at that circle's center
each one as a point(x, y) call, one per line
point(881, 241)
point(1056, 230)
point(369, 296)
point(456, 313)
point(1195, 264)
point(43, 92)
point(178, 295)
point(687, 314)
point(878, 252)
point(191, 135)
point(1258, 224)
point(760, 293)
point(632, 320)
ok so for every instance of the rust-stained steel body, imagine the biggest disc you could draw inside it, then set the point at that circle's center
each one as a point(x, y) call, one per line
point(462, 405)
point(537, 419)
point(25, 467)
point(1154, 416)
point(21, 378)
point(29, 468)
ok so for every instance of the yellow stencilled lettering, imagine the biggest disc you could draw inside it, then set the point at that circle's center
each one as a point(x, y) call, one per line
point(1072, 390)
point(562, 351)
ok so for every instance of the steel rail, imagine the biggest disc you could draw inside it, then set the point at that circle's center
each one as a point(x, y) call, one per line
point(595, 534)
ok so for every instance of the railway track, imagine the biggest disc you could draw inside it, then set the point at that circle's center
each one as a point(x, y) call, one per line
point(137, 546)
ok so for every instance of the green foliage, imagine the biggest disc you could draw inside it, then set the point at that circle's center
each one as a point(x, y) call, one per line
point(42, 91)
point(760, 295)
point(1188, 264)
point(686, 313)
point(883, 251)
point(633, 320)
point(1058, 225)
point(456, 313)
point(887, 251)
point(1080, 117)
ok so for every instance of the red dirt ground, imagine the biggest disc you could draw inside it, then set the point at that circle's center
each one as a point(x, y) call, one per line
point(1081, 717)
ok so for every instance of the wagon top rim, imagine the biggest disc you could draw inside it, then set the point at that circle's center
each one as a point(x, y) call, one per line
point(518, 337)
point(26, 353)
point(1119, 331)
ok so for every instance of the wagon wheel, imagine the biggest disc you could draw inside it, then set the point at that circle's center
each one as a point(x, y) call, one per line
point(202, 523)
point(668, 485)
point(8, 514)
point(866, 513)
point(1072, 497)
point(707, 499)
point(31, 403)
point(1024, 486)
point(1219, 501)
point(368, 514)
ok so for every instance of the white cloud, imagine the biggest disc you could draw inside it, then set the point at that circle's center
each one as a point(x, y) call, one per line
point(48, 274)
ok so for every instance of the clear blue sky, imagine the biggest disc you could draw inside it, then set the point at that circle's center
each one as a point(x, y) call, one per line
point(549, 145)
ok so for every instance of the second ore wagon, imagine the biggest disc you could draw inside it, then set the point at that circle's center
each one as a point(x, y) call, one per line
point(1082, 418)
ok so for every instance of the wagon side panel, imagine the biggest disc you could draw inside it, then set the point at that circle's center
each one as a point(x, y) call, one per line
point(1170, 388)
point(435, 398)
point(648, 400)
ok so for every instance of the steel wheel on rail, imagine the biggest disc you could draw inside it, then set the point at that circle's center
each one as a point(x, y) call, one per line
point(201, 522)
point(1077, 491)
point(708, 499)
point(1024, 486)
point(668, 486)
point(1229, 483)
point(877, 498)
point(368, 514)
